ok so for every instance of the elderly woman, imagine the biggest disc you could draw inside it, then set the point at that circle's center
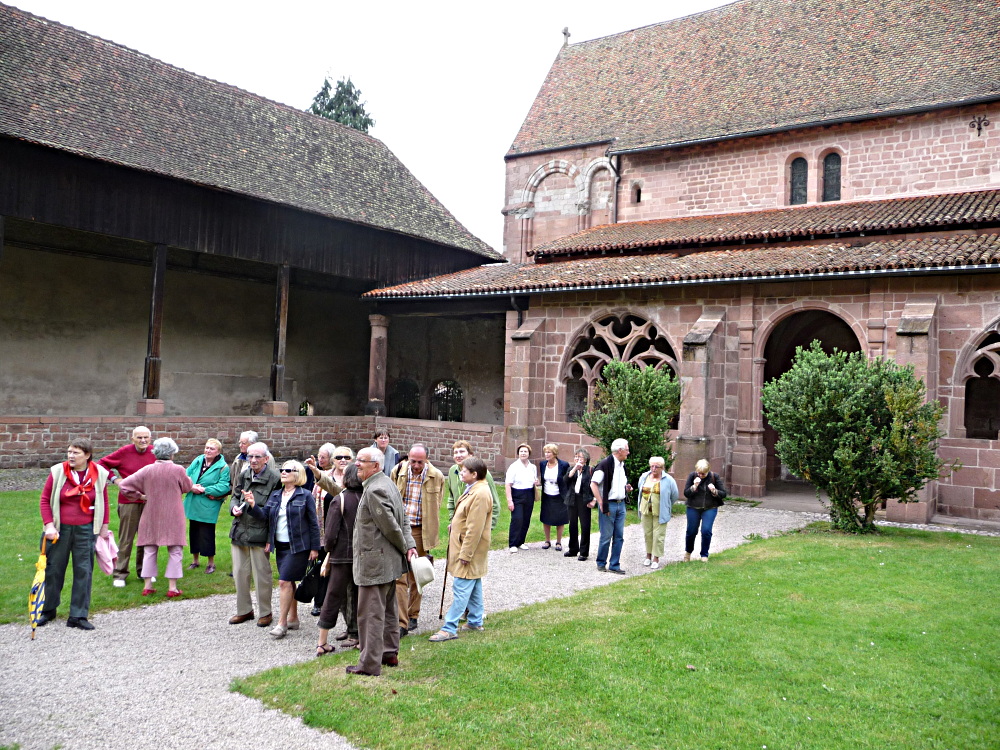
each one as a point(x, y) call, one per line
point(210, 475)
point(579, 499)
point(657, 495)
point(468, 550)
point(554, 512)
point(522, 476)
point(293, 534)
point(704, 492)
point(161, 486)
point(74, 508)
point(341, 593)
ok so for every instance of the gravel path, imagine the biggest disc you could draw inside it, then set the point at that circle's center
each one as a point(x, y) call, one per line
point(159, 676)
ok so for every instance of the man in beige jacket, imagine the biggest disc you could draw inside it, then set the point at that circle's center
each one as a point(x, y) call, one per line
point(421, 487)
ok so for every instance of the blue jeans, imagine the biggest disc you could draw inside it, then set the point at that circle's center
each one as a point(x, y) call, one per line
point(465, 592)
point(612, 534)
point(706, 516)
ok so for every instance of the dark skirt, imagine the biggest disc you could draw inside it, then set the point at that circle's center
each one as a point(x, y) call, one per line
point(554, 512)
point(291, 565)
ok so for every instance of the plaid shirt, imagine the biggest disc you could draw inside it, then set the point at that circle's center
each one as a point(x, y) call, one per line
point(414, 487)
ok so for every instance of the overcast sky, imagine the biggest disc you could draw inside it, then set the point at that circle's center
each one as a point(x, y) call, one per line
point(448, 83)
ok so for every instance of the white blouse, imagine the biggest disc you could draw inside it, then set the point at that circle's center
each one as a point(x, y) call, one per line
point(521, 477)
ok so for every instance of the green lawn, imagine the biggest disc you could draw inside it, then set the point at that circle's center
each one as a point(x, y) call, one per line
point(810, 640)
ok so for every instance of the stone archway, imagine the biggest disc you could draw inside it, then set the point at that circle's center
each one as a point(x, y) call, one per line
point(800, 329)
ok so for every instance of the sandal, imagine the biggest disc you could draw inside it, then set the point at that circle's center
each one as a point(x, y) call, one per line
point(325, 648)
point(174, 594)
point(147, 592)
point(192, 566)
point(546, 545)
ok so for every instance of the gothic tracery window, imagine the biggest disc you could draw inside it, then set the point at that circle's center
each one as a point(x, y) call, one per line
point(982, 392)
point(625, 337)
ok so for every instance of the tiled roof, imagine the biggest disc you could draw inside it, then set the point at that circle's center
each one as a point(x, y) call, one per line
point(762, 65)
point(71, 91)
point(892, 215)
point(781, 262)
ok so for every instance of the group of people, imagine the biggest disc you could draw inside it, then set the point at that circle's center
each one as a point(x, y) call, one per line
point(368, 518)
point(568, 494)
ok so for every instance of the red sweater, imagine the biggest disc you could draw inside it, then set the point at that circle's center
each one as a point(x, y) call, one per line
point(70, 512)
point(127, 461)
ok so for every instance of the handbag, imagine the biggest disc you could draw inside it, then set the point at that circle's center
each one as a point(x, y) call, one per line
point(308, 587)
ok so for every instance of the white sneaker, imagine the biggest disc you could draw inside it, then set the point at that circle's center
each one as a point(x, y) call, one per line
point(654, 566)
point(119, 583)
point(523, 546)
point(513, 550)
point(645, 563)
point(153, 579)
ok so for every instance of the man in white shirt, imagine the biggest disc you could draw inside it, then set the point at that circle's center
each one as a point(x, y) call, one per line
point(610, 487)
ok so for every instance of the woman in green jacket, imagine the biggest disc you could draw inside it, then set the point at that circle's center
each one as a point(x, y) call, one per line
point(210, 474)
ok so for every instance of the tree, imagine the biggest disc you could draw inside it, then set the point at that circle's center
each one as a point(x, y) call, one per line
point(858, 429)
point(637, 404)
point(345, 106)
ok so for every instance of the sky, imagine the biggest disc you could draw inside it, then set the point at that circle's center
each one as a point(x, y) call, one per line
point(448, 83)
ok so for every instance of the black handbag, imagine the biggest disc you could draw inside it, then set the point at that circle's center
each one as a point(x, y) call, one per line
point(308, 587)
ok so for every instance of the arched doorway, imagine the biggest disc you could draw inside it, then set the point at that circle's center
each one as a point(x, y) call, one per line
point(800, 329)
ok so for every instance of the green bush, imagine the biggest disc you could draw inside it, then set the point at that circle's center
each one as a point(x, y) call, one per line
point(858, 429)
point(637, 404)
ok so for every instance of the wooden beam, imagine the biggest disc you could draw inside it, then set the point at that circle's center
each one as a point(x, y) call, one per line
point(151, 372)
point(280, 334)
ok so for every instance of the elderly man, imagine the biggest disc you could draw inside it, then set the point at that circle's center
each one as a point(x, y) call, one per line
point(454, 487)
point(382, 544)
point(247, 439)
point(610, 487)
point(127, 460)
point(421, 486)
point(249, 536)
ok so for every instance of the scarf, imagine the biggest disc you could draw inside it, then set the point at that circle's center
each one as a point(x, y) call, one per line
point(81, 488)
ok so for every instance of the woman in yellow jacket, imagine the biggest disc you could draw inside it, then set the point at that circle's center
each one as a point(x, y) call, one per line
point(468, 550)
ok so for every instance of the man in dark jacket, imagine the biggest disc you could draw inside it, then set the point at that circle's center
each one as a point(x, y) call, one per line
point(249, 535)
point(382, 546)
point(610, 487)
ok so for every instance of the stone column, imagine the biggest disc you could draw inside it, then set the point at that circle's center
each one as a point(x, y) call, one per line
point(917, 345)
point(522, 417)
point(151, 403)
point(278, 406)
point(696, 424)
point(749, 468)
point(377, 362)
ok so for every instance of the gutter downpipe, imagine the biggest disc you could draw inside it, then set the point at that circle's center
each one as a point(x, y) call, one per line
point(520, 312)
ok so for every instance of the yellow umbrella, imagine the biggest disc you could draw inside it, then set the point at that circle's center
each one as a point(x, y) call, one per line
point(36, 599)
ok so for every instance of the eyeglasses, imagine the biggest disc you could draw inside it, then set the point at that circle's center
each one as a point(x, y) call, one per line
point(341, 458)
point(289, 471)
point(366, 461)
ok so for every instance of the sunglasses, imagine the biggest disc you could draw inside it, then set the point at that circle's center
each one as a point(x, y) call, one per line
point(341, 458)
point(289, 471)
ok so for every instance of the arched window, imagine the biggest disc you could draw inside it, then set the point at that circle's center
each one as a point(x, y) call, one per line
point(625, 337)
point(982, 392)
point(798, 177)
point(637, 193)
point(447, 401)
point(831, 177)
point(405, 400)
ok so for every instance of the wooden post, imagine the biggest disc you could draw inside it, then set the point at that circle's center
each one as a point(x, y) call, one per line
point(277, 406)
point(151, 403)
point(378, 359)
point(1, 238)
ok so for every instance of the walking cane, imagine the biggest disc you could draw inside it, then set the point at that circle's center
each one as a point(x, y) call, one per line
point(444, 583)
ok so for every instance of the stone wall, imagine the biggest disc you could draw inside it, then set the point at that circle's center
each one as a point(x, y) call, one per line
point(42, 441)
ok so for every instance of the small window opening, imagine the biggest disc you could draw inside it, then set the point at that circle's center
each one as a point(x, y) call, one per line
point(637, 194)
point(798, 181)
point(831, 177)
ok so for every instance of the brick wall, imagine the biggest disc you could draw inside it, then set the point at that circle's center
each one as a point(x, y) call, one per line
point(42, 441)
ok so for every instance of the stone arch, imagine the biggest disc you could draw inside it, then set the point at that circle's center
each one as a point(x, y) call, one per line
point(557, 211)
point(976, 381)
point(798, 326)
point(553, 166)
point(819, 180)
point(591, 211)
point(611, 334)
point(790, 179)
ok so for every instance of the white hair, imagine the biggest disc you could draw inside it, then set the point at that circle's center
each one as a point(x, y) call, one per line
point(374, 454)
point(263, 449)
point(327, 448)
point(619, 444)
point(250, 435)
point(164, 448)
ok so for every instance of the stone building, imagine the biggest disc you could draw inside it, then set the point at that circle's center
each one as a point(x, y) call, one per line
point(707, 194)
point(182, 252)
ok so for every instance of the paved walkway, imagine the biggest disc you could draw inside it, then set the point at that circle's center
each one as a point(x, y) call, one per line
point(158, 676)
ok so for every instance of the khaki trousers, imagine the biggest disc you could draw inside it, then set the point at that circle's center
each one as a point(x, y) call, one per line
point(654, 532)
point(407, 597)
point(377, 628)
point(256, 559)
point(128, 526)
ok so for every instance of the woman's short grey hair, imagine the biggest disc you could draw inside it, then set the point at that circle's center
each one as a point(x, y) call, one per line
point(164, 448)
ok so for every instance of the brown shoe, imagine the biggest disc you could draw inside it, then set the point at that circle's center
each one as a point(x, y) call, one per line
point(241, 618)
point(390, 660)
point(355, 669)
point(264, 621)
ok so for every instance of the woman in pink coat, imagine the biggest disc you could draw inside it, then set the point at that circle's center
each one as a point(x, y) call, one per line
point(162, 485)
